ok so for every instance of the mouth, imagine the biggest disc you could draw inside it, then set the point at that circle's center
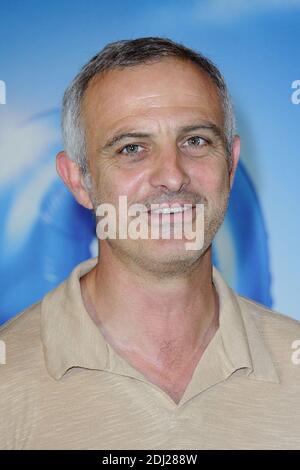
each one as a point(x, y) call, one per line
point(165, 214)
point(175, 207)
point(169, 210)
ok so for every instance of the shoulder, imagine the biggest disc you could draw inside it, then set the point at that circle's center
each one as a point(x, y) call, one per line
point(22, 331)
point(21, 343)
point(20, 374)
point(269, 319)
point(280, 333)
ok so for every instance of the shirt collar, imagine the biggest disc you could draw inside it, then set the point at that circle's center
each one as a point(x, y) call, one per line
point(71, 339)
point(243, 343)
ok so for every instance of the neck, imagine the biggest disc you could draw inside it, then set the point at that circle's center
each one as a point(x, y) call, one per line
point(154, 319)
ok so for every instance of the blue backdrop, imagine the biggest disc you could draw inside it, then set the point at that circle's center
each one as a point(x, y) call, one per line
point(44, 233)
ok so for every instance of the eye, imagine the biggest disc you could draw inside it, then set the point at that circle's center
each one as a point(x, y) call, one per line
point(196, 146)
point(195, 141)
point(130, 149)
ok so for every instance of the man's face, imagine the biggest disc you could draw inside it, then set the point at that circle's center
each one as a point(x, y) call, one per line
point(154, 133)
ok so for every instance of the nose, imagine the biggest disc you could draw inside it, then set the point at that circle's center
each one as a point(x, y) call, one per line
point(168, 172)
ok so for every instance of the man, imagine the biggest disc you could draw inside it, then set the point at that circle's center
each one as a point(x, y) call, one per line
point(147, 347)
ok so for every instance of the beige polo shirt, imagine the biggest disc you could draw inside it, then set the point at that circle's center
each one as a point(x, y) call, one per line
point(64, 387)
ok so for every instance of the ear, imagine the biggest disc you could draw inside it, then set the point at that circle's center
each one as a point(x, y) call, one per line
point(71, 175)
point(235, 156)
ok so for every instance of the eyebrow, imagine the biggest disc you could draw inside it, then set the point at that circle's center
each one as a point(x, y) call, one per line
point(142, 135)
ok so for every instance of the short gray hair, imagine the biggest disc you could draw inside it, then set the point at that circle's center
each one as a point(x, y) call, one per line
point(128, 53)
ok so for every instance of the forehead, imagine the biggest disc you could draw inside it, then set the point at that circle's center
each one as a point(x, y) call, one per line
point(170, 89)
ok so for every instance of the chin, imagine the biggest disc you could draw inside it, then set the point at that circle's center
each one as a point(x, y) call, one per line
point(161, 258)
point(168, 257)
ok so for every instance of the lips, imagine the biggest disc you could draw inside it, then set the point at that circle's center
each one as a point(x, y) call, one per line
point(174, 208)
point(170, 210)
point(174, 214)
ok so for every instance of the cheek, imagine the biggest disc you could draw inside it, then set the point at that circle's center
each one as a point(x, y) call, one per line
point(211, 177)
point(114, 183)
